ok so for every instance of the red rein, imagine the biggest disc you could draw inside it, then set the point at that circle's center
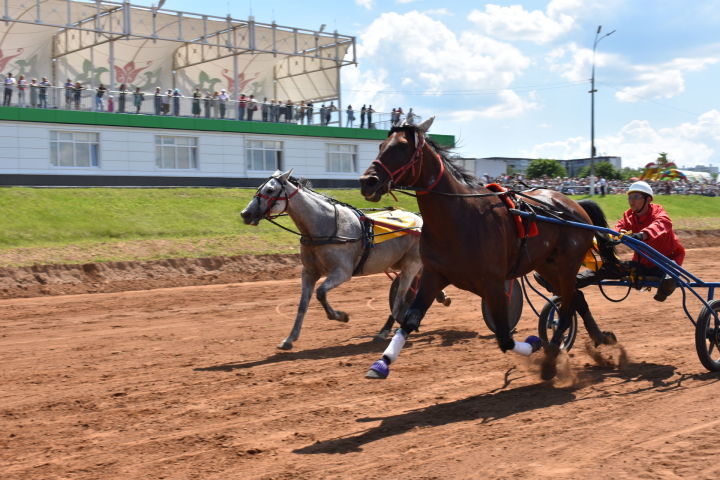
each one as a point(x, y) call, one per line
point(415, 160)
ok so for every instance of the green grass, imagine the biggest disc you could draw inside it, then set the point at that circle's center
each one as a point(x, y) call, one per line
point(101, 224)
point(688, 212)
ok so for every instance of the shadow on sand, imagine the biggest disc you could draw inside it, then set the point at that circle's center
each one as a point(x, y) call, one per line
point(486, 407)
point(442, 336)
point(505, 402)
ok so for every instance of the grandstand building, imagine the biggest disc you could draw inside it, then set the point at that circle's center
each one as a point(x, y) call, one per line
point(77, 141)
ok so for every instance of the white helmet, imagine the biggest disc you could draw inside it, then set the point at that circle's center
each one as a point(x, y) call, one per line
point(642, 187)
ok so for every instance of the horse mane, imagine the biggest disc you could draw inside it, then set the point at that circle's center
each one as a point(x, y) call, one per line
point(457, 171)
point(302, 181)
point(307, 185)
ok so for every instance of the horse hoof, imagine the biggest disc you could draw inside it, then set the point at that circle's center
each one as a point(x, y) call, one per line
point(447, 301)
point(378, 371)
point(342, 317)
point(382, 336)
point(609, 338)
point(548, 368)
point(285, 345)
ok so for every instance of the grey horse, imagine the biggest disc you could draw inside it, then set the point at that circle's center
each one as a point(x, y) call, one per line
point(333, 245)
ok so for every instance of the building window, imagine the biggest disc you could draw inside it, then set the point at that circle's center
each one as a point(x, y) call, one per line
point(342, 158)
point(264, 155)
point(74, 149)
point(176, 152)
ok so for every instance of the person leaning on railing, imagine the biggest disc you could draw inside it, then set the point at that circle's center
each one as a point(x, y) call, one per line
point(69, 93)
point(138, 98)
point(44, 84)
point(77, 94)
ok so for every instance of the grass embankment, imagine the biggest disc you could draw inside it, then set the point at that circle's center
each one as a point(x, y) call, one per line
point(103, 224)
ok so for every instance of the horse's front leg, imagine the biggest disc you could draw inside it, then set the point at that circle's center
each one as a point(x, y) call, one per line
point(431, 284)
point(335, 278)
point(309, 279)
point(568, 296)
point(497, 303)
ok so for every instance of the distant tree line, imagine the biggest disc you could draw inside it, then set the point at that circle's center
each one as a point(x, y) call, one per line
point(541, 167)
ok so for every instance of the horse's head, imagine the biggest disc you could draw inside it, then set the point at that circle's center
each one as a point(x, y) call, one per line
point(270, 199)
point(397, 162)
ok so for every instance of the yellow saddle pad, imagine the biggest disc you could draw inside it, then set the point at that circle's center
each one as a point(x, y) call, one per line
point(387, 223)
point(592, 260)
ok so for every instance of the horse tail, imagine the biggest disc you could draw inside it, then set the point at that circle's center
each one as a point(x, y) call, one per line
point(605, 245)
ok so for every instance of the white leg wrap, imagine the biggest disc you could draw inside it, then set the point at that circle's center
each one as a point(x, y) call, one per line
point(396, 344)
point(523, 348)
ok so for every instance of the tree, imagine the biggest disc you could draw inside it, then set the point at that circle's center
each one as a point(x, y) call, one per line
point(602, 169)
point(545, 166)
point(627, 173)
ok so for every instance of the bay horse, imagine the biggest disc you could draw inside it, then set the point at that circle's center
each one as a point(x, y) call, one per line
point(470, 239)
point(333, 244)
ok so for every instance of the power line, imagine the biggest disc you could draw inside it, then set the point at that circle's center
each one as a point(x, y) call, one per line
point(486, 91)
point(650, 100)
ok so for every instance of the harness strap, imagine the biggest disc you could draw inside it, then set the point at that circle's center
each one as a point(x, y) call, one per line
point(368, 234)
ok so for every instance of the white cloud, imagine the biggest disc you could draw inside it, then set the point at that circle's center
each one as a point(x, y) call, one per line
point(437, 58)
point(510, 105)
point(638, 143)
point(439, 12)
point(365, 3)
point(575, 63)
point(364, 85)
point(516, 23)
point(664, 80)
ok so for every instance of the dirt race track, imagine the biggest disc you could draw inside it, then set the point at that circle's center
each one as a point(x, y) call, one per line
point(186, 383)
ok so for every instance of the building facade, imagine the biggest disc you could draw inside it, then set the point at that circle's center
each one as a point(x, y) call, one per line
point(76, 148)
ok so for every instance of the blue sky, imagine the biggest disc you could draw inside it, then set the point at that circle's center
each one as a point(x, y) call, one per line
point(512, 78)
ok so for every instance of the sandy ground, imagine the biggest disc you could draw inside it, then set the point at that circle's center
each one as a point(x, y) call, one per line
point(186, 383)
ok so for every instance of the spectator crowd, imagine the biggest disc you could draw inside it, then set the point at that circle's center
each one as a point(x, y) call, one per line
point(581, 186)
point(201, 104)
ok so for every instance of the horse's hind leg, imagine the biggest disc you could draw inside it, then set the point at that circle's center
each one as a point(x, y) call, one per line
point(400, 305)
point(335, 278)
point(598, 337)
point(308, 284)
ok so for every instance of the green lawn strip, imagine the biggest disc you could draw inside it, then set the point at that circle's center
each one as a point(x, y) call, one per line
point(42, 226)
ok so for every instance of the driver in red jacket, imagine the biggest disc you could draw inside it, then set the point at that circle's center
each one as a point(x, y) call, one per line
point(650, 223)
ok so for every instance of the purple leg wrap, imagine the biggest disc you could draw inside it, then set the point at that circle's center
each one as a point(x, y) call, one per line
point(381, 368)
point(535, 342)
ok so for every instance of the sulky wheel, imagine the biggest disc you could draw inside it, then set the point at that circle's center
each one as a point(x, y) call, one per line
point(549, 320)
point(515, 306)
point(707, 336)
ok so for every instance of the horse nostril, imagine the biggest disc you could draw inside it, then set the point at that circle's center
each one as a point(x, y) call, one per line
point(369, 181)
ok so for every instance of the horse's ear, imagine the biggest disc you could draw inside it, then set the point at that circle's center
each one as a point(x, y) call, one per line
point(425, 126)
point(285, 175)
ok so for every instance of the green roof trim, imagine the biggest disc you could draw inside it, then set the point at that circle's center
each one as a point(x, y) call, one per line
point(202, 124)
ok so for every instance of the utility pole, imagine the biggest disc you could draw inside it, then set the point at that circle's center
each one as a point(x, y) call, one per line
point(592, 109)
